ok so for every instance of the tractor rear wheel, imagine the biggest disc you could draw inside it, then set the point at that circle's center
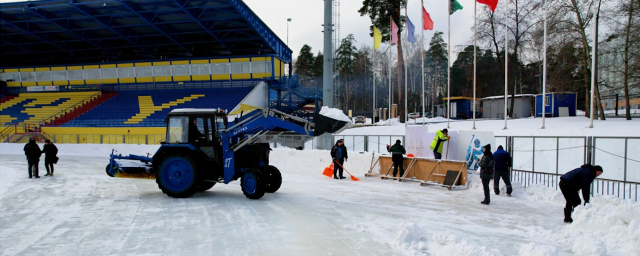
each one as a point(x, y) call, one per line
point(273, 179)
point(178, 177)
point(253, 184)
point(206, 185)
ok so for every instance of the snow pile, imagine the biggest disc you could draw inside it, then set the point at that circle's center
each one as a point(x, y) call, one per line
point(536, 249)
point(607, 225)
point(453, 246)
point(335, 113)
point(393, 121)
point(410, 237)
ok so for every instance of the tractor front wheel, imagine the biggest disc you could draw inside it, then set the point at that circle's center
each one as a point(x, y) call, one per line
point(273, 179)
point(178, 177)
point(253, 184)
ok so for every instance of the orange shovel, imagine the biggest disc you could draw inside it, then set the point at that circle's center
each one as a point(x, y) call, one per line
point(328, 171)
point(353, 178)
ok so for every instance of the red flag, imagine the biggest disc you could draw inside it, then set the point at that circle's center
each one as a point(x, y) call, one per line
point(427, 23)
point(394, 32)
point(491, 3)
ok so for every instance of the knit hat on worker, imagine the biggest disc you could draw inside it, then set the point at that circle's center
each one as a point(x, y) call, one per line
point(598, 168)
point(445, 130)
point(398, 141)
point(487, 147)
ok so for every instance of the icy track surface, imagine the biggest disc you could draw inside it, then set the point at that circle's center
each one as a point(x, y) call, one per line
point(82, 211)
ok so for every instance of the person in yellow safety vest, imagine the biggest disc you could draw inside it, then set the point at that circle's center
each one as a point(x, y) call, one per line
point(436, 144)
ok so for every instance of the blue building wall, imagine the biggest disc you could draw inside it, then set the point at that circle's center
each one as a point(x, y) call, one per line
point(555, 102)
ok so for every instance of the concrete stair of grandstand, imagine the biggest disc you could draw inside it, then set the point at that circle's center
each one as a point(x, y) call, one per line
point(34, 107)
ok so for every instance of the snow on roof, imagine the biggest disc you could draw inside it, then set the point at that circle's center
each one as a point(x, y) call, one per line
point(508, 96)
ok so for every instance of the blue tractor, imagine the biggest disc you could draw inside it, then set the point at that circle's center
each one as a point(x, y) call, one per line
point(203, 148)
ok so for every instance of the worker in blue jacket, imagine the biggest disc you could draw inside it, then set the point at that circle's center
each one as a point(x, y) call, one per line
point(502, 162)
point(573, 181)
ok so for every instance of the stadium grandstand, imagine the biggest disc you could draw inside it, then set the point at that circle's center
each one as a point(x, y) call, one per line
point(87, 71)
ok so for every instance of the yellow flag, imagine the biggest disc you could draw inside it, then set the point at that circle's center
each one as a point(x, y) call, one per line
point(377, 38)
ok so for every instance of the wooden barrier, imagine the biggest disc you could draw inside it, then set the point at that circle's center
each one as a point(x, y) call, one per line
point(427, 171)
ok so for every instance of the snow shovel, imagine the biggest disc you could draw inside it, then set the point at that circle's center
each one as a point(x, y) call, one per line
point(353, 178)
point(328, 171)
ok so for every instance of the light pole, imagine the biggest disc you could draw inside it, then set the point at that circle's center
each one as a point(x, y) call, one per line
point(288, 20)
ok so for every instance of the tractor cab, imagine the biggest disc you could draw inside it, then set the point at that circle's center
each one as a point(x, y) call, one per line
point(201, 128)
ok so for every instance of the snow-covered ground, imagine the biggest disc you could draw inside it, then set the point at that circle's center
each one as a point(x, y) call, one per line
point(82, 211)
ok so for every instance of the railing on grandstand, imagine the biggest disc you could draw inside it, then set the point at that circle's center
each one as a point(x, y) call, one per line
point(143, 139)
point(178, 85)
point(81, 105)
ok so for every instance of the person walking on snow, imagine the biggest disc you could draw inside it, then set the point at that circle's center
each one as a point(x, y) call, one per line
point(33, 153)
point(397, 150)
point(339, 155)
point(50, 151)
point(486, 171)
point(502, 162)
point(438, 141)
point(575, 180)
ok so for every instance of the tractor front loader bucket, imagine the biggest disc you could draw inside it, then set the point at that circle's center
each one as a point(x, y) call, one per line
point(326, 124)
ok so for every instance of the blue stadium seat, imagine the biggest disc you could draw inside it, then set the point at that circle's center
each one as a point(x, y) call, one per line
point(149, 108)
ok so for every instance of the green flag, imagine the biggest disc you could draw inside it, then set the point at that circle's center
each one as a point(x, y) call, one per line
point(454, 6)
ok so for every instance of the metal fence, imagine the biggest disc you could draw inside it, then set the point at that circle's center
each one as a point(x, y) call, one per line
point(543, 159)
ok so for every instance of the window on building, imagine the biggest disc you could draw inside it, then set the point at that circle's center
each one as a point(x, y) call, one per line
point(12, 77)
point(220, 68)
point(547, 100)
point(109, 73)
point(240, 68)
point(162, 70)
point(180, 70)
point(126, 72)
point(59, 75)
point(200, 69)
point(261, 67)
point(43, 76)
point(28, 76)
point(92, 73)
point(144, 71)
point(76, 75)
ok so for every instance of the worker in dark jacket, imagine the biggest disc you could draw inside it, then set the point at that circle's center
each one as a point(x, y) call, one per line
point(573, 181)
point(502, 161)
point(486, 171)
point(50, 156)
point(339, 155)
point(194, 132)
point(397, 150)
point(33, 152)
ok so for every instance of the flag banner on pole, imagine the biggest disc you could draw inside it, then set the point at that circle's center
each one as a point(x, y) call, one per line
point(427, 23)
point(377, 38)
point(394, 32)
point(455, 6)
point(411, 30)
point(491, 3)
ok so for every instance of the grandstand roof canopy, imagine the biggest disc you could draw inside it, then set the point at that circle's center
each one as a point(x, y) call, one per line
point(57, 32)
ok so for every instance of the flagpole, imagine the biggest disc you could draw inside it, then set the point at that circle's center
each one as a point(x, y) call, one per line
point(424, 116)
point(448, 64)
point(593, 70)
point(475, 29)
point(544, 65)
point(406, 115)
point(506, 61)
point(391, 36)
point(373, 76)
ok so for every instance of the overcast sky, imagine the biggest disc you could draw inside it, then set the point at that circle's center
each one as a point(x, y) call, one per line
point(307, 18)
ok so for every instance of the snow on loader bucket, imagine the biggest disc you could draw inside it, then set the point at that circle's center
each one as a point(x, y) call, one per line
point(326, 124)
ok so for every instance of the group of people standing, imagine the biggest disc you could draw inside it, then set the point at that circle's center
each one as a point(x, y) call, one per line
point(33, 153)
